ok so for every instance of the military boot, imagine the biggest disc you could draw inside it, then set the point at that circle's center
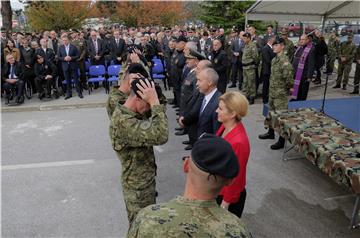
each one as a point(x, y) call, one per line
point(279, 144)
point(268, 135)
point(344, 87)
point(337, 86)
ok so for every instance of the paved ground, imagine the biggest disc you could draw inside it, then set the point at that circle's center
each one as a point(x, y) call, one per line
point(60, 178)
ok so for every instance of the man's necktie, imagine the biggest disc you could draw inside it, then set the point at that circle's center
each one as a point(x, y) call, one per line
point(202, 106)
point(11, 71)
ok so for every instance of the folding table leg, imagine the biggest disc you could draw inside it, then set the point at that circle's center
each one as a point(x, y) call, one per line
point(355, 215)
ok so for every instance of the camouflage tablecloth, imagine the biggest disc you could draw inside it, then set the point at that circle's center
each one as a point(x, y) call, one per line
point(327, 143)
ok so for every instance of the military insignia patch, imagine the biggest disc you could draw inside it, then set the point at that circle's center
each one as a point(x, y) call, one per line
point(145, 125)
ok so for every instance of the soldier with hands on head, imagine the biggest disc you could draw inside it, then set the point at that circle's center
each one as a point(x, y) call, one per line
point(212, 165)
point(133, 135)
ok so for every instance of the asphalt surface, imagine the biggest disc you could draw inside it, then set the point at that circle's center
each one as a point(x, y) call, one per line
point(60, 178)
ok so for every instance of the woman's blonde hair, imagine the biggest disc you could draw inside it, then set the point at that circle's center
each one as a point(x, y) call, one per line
point(235, 102)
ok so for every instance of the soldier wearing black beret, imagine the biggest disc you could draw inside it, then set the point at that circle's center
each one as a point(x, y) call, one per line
point(212, 165)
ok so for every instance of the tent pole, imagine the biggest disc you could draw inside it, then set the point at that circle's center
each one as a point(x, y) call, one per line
point(246, 20)
point(323, 19)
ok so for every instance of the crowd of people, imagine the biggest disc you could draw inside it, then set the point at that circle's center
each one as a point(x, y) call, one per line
point(238, 58)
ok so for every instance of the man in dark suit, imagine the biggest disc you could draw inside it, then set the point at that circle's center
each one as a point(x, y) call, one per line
point(206, 103)
point(12, 77)
point(190, 114)
point(267, 54)
point(236, 50)
point(96, 49)
point(117, 46)
point(68, 55)
point(219, 60)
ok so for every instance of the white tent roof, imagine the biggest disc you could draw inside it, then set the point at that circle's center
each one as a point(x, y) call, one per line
point(304, 10)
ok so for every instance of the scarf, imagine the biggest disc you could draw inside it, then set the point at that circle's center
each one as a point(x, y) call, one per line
point(300, 70)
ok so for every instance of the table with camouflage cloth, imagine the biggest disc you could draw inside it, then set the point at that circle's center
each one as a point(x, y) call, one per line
point(327, 143)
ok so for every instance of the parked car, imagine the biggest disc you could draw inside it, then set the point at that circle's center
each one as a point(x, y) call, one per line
point(295, 29)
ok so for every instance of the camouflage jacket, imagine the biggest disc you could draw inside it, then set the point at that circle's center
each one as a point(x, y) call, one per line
point(133, 137)
point(289, 49)
point(183, 217)
point(333, 46)
point(250, 57)
point(116, 97)
point(348, 51)
point(282, 77)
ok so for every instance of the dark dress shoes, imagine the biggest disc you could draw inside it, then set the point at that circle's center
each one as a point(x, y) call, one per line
point(337, 86)
point(67, 97)
point(189, 147)
point(80, 95)
point(186, 142)
point(232, 86)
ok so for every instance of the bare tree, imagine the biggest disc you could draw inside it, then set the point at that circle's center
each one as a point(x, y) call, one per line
point(6, 14)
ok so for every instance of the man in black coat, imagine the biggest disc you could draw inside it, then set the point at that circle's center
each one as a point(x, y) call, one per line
point(267, 54)
point(236, 67)
point(320, 52)
point(178, 62)
point(117, 46)
point(218, 58)
point(44, 74)
point(12, 77)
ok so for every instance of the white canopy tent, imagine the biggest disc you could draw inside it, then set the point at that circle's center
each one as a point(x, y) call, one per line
point(304, 11)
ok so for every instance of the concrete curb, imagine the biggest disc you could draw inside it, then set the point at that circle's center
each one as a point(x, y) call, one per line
point(51, 107)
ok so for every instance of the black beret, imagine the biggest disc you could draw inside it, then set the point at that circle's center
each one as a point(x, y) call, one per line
point(135, 88)
point(215, 156)
point(181, 38)
point(194, 55)
point(247, 35)
point(136, 68)
point(279, 40)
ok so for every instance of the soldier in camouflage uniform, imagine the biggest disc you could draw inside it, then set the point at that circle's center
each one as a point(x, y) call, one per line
point(357, 72)
point(250, 60)
point(346, 56)
point(212, 164)
point(133, 136)
point(289, 49)
point(333, 49)
point(281, 81)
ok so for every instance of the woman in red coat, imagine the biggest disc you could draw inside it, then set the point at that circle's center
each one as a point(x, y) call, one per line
point(232, 108)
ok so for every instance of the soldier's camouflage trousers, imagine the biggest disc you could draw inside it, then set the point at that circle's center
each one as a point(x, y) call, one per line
point(135, 200)
point(279, 103)
point(344, 69)
point(250, 82)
